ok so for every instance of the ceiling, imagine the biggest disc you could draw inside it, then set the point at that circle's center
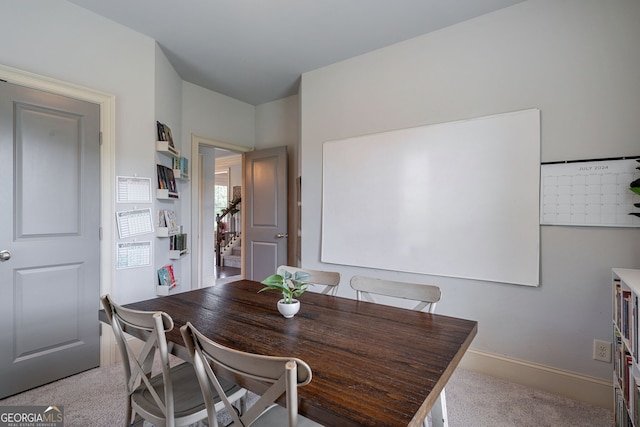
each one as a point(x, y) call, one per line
point(256, 50)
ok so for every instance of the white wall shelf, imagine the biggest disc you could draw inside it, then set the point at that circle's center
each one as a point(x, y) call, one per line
point(178, 174)
point(162, 290)
point(164, 194)
point(176, 254)
point(165, 148)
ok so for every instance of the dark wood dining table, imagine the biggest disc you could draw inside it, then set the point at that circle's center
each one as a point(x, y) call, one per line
point(372, 364)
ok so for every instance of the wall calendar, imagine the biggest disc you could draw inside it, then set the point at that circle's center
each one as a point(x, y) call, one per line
point(590, 193)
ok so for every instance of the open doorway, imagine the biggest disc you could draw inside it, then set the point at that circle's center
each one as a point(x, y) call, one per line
point(217, 211)
point(227, 203)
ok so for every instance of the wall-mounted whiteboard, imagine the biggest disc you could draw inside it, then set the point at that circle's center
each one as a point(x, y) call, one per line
point(457, 199)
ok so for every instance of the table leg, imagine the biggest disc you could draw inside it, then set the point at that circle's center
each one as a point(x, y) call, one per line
point(439, 412)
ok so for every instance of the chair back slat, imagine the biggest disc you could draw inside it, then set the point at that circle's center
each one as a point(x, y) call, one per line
point(426, 295)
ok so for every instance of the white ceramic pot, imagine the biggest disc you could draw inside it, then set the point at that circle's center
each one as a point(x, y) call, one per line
point(288, 310)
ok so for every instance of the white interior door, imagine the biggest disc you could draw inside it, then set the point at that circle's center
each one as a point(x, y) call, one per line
point(264, 243)
point(49, 237)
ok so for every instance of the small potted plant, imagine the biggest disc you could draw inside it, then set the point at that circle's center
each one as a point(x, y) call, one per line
point(291, 286)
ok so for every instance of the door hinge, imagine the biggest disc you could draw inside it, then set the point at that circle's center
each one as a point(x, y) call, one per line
point(99, 233)
point(100, 138)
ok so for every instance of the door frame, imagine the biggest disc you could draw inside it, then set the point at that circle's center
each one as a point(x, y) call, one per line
point(106, 102)
point(196, 211)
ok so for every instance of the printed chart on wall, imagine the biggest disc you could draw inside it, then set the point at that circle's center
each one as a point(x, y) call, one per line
point(134, 222)
point(590, 193)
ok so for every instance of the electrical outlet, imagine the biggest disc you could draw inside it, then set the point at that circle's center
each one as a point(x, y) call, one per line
point(602, 351)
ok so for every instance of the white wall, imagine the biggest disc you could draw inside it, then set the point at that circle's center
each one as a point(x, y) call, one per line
point(216, 116)
point(575, 60)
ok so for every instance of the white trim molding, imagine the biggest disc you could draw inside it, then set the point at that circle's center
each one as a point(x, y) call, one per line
point(196, 140)
point(584, 388)
point(196, 178)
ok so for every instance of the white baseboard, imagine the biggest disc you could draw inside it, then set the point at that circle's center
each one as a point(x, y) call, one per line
point(109, 351)
point(594, 391)
point(108, 346)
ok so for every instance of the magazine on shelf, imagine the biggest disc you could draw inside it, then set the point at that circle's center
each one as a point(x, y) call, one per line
point(166, 276)
point(171, 222)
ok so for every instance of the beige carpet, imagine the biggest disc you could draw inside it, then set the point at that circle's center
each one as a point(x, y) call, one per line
point(478, 400)
point(95, 398)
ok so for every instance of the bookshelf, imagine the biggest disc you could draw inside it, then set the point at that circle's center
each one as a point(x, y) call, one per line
point(626, 372)
point(172, 171)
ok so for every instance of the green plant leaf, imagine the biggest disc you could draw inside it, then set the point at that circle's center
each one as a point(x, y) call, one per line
point(301, 276)
point(273, 279)
point(275, 287)
point(302, 289)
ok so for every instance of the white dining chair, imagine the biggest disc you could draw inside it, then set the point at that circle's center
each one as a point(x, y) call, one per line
point(329, 279)
point(171, 397)
point(279, 375)
point(426, 296)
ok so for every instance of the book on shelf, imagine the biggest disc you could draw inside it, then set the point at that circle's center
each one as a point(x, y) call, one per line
point(164, 133)
point(181, 165)
point(162, 179)
point(617, 301)
point(166, 179)
point(620, 416)
point(171, 222)
point(178, 242)
point(166, 276)
point(171, 180)
point(184, 166)
point(628, 377)
point(636, 402)
point(626, 313)
point(162, 136)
